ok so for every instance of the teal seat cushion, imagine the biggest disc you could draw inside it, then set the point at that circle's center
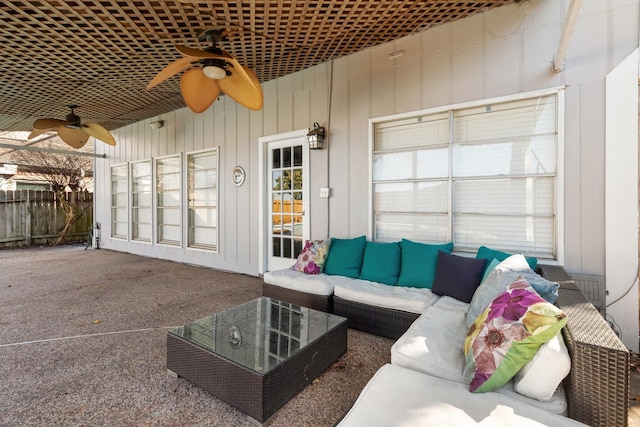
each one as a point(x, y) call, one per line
point(345, 257)
point(419, 260)
point(381, 262)
point(489, 254)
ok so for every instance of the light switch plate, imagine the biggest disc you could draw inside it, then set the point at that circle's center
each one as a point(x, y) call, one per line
point(324, 192)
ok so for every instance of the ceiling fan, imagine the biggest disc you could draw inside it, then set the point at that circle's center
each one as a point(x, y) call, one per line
point(71, 130)
point(219, 72)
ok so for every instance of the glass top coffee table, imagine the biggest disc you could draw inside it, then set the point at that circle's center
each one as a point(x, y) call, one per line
point(258, 355)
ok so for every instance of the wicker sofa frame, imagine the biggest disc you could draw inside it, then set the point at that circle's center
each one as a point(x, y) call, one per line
point(385, 322)
point(304, 299)
point(597, 388)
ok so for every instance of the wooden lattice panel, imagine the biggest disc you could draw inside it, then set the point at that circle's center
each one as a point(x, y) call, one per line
point(101, 54)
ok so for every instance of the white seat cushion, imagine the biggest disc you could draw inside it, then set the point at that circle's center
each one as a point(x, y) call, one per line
point(412, 300)
point(398, 396)
point(317, 284)
point(433, 345)
point(450, 303)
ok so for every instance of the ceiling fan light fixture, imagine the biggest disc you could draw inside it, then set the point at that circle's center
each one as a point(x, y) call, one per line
point(214, 72)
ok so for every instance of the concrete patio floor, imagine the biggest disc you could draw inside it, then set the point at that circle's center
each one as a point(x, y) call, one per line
point(82, 342)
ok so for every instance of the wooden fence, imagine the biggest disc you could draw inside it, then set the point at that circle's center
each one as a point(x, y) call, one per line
point(279, 208)
point(34, 217)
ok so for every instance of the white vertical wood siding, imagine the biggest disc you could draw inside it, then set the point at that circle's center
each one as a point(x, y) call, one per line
point(505, 51)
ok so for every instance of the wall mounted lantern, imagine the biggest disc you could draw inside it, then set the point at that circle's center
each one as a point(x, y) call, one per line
point(316, 137)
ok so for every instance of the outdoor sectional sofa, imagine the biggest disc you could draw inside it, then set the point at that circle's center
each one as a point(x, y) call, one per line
point(428, 318)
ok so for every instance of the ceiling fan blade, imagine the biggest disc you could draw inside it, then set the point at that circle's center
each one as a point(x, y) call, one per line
point(242, 71)
point(46, 124)
point(197, 53)
point(76, 138)
point(242, 90)
point(99, 132)
point(198, 90)
point(254, 78)
point(37, 132)
point(170, 70)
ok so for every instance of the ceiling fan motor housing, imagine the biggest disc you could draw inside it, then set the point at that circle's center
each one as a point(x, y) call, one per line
point(74, 119)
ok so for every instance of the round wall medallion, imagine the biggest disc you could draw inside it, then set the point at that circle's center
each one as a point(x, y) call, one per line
point(237, 176)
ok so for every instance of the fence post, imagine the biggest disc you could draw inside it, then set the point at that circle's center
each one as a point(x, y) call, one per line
point(27, 226)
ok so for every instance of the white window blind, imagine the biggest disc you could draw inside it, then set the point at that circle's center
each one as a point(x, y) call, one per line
point(141, 195)
point(203, 199)
point(119, 198)
point(484, 175)
point(169, 204)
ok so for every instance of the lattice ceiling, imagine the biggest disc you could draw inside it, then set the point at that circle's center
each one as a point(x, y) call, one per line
point(101, 54)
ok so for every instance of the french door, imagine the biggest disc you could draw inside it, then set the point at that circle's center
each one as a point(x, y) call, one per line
point(286, 185)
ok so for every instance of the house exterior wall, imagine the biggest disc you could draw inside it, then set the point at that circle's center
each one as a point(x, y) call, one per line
point(505, 51)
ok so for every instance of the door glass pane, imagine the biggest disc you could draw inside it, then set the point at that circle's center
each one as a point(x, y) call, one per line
point(276, 163)
point(276, 247)
point(286, 248)
point(297, 156)
point(286, 157)
point(277, 203)
point(276, 182)
point(286, 180)
point(297, 179)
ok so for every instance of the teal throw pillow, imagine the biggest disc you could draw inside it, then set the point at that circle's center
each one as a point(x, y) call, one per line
point(489, 254)
point(419, 260)
point(345, 257)
point(489, 268)
point(381, 262)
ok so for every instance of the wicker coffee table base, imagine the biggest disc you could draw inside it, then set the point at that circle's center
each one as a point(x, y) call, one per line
point(257, 395)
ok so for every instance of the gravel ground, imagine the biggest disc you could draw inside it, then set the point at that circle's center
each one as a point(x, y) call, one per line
point(83, 343)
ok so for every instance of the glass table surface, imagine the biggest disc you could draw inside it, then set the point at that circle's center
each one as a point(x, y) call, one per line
point(259, 334)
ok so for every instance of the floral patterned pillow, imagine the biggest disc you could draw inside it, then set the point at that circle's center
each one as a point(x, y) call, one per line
point(507, 334)
point(313, 256)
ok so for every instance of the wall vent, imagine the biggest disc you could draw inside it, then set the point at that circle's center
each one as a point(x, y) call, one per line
point(593, 288)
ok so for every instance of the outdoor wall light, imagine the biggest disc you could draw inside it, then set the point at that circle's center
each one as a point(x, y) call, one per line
point(157, 124)
point(316, 137)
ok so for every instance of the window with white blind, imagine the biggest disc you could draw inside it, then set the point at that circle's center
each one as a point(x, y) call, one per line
point(480, 175)
point(202, 187)
point(169, 201)
point(141, 195)
point(119, 201)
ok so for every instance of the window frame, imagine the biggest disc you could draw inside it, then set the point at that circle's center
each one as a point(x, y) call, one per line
point(156, 202)
point(113, 209)
point(558, 197)
point(212, 248)
point(132, 221)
